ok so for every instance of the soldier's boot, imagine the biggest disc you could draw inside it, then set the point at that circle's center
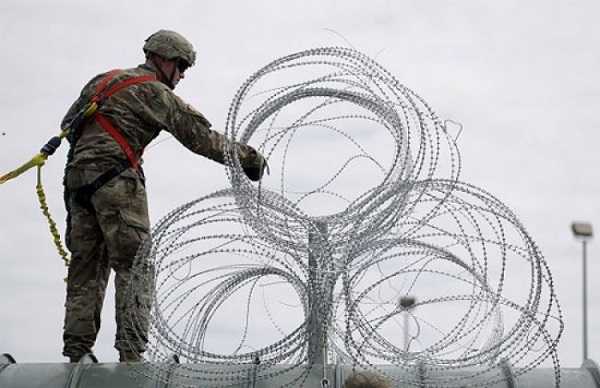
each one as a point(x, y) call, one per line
point(129, 357)
point(87, 358)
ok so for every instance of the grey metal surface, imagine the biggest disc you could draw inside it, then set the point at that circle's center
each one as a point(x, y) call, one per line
point(90, 374)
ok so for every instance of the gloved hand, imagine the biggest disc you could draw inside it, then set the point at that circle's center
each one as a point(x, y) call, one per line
point(255, 170)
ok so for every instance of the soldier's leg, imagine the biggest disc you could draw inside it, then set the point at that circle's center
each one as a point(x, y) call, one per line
point(86, 283)
point(125, 228)
point(132, 310)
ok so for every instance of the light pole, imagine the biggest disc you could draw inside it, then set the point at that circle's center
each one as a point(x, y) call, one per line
point(407, 302)
point(583, 232)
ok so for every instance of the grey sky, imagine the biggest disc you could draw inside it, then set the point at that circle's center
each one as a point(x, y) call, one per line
point(519, 75)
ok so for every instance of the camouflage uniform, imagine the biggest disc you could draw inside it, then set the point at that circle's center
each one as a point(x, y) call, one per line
point(105, 231)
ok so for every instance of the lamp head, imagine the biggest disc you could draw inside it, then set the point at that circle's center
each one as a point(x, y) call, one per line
point(582, 230)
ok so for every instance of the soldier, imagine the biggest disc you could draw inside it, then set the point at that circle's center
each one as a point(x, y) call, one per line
point(366, 380)
point(104, 185)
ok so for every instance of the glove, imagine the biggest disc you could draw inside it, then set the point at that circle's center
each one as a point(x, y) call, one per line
point(255, 171)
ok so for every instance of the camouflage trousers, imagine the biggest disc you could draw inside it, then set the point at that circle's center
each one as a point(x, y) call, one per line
point(103, 234)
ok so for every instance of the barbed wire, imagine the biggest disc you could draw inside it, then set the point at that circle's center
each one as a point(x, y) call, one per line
point(363, 207)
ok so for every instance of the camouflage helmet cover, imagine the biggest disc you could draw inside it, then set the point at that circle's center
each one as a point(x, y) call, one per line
point(170, 45)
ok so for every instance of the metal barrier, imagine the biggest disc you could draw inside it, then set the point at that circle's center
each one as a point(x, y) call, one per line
point(90, 373)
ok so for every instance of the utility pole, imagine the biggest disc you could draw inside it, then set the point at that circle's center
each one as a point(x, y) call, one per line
point(407, 302)
point(583, 232)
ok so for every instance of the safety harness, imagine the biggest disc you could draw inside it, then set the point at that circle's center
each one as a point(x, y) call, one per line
point(88, 111)
point(84, 194)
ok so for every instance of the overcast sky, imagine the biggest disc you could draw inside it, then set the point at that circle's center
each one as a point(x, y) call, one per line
point(521, 76)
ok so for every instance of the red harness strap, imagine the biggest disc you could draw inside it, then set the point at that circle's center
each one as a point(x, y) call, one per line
point(100, 96)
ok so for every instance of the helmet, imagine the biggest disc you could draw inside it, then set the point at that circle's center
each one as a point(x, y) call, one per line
point(170, 45)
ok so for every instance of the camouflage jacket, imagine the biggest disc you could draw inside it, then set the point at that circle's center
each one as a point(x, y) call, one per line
point(140, 112)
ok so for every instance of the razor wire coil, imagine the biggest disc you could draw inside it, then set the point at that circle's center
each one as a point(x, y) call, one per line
point(363, 207)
